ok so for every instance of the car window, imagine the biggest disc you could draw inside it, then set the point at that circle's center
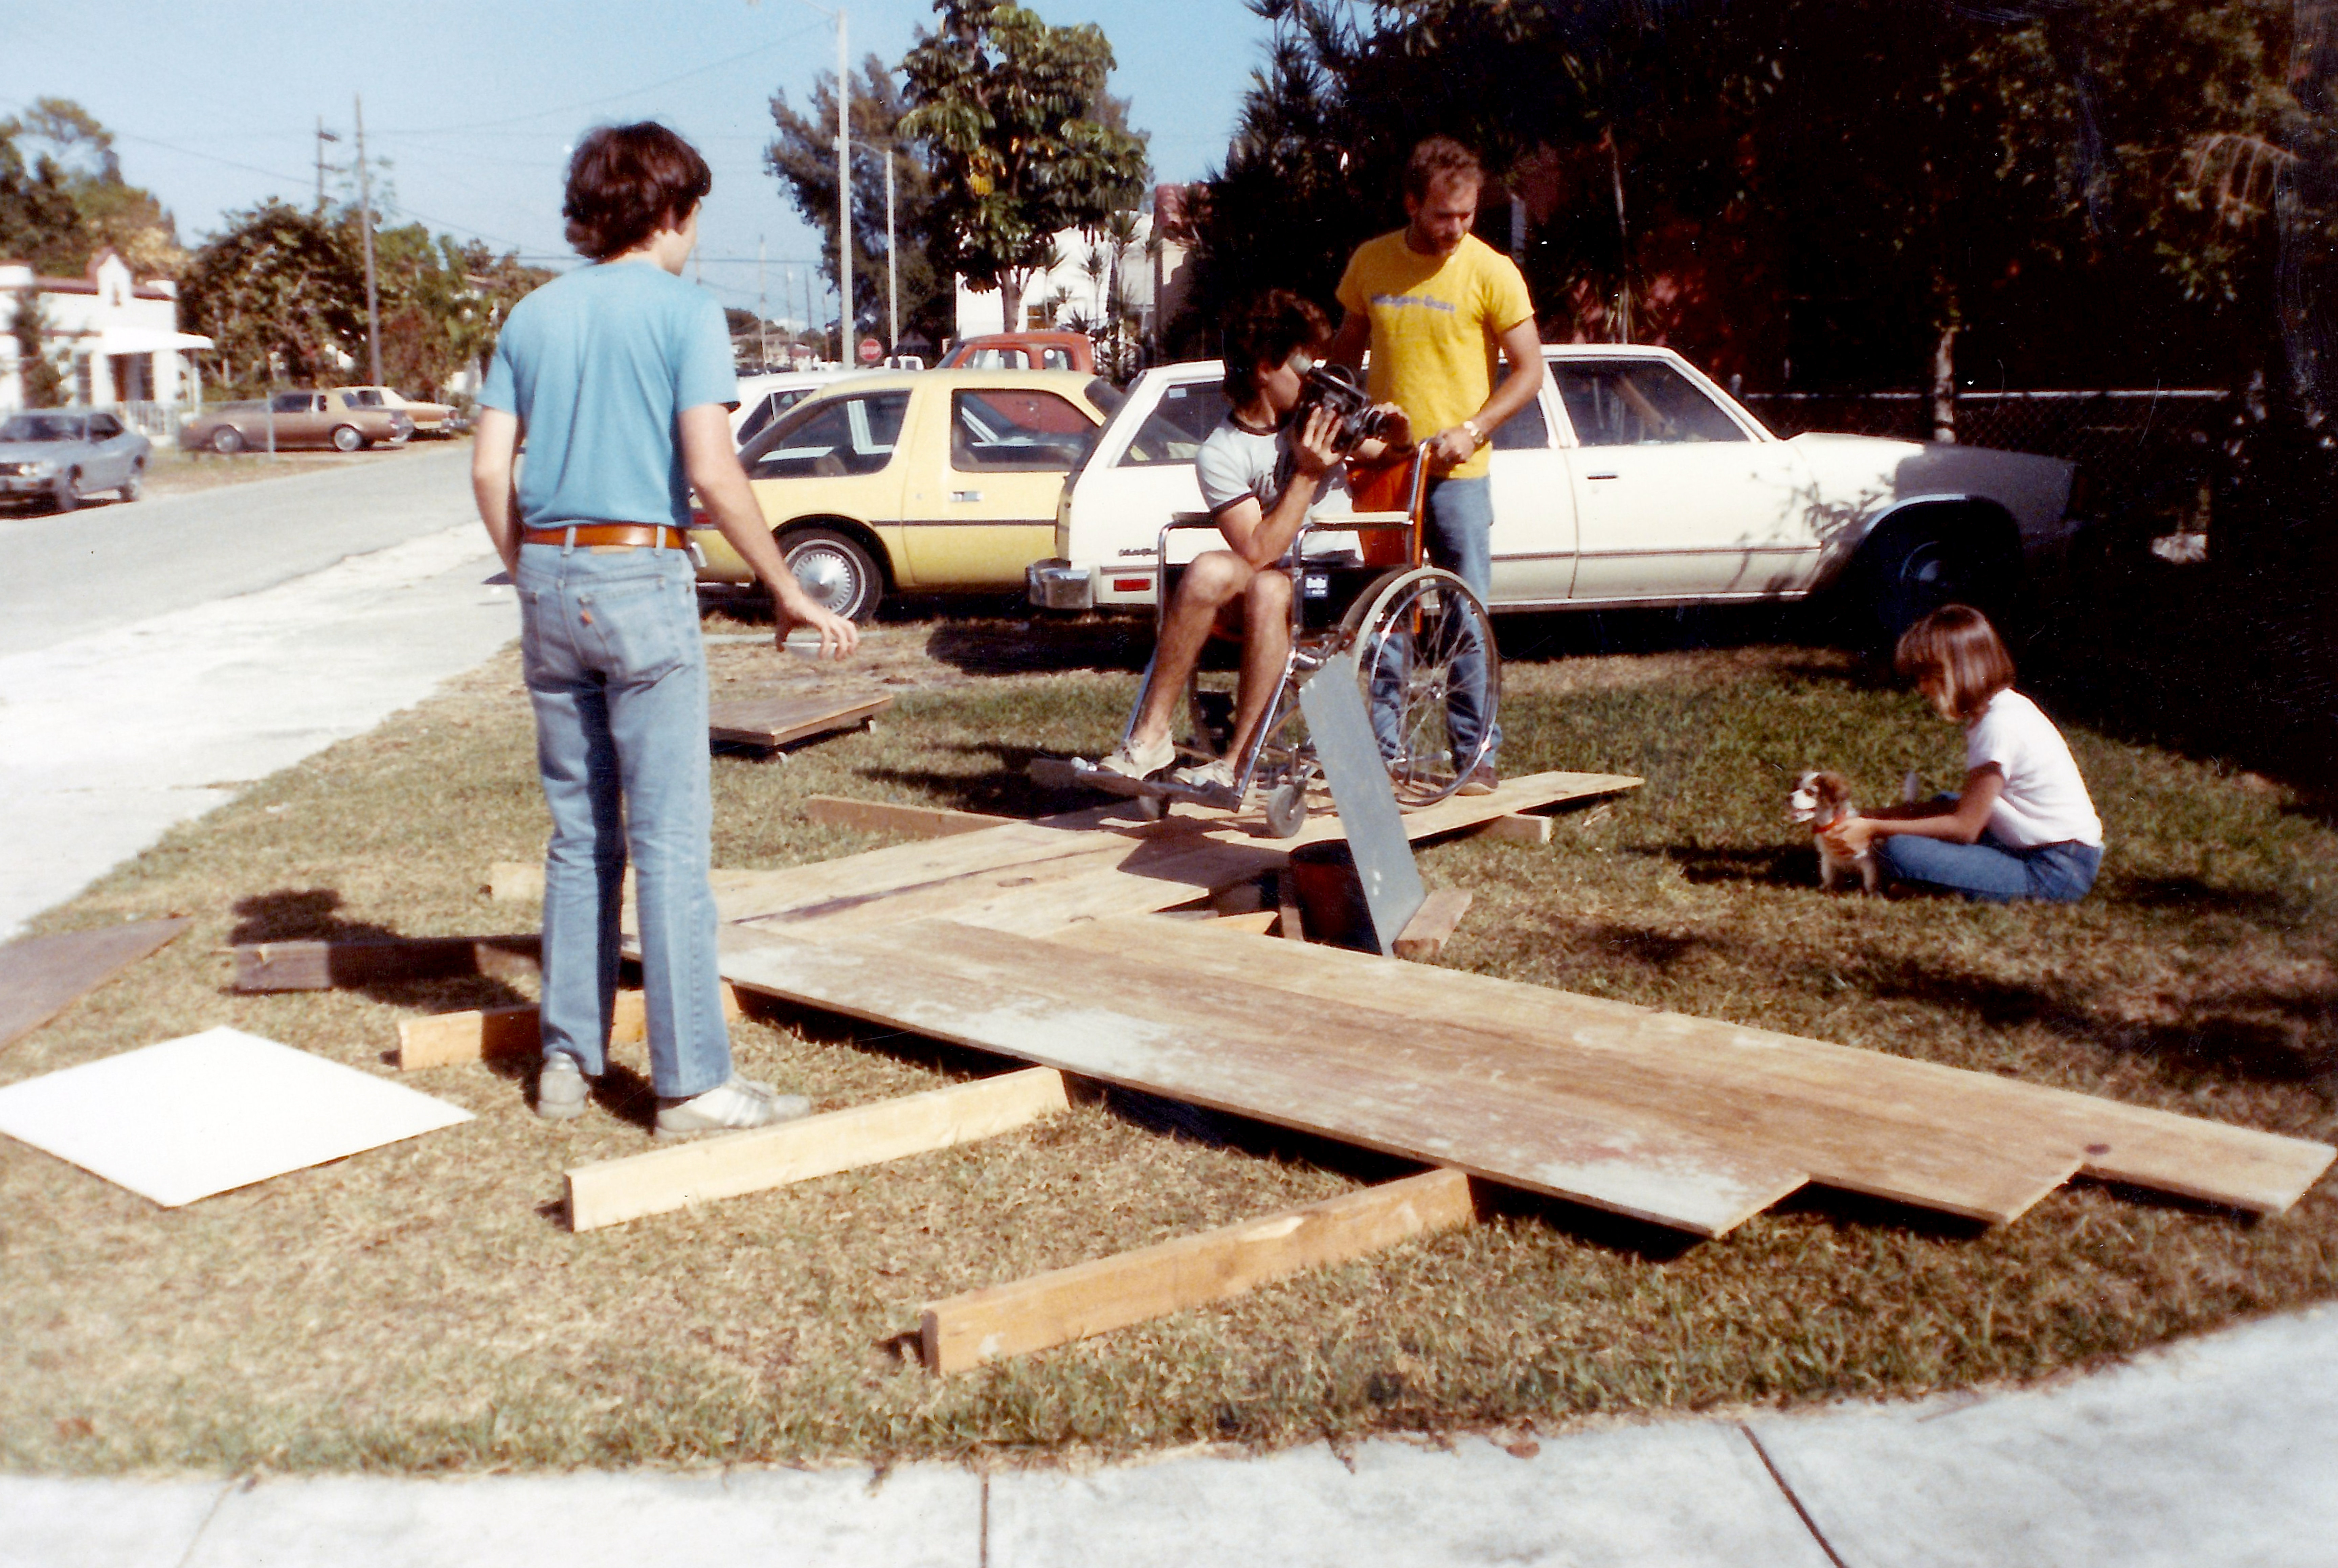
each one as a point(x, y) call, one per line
point(1638, 402)
point(41, 427)
point(104, 428)
point(1174, 431)
point(773, 404)
point(367, 399)
point(292, 403)
point(1016, 430)
point(997, 359)
point(1055, 358)
point(1524, 431)
point(834, 437)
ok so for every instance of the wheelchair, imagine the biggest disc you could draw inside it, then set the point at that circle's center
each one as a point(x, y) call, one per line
point(1416, 634)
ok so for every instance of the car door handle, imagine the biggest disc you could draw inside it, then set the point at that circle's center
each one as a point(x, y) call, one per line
point(1603, 476)
point(966, 494)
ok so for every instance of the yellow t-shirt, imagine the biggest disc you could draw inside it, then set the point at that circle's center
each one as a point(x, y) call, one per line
point(1435, 327)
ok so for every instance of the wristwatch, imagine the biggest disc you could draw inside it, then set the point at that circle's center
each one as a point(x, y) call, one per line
point(1477, 436)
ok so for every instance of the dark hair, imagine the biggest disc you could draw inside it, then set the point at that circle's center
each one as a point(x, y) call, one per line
point(1265, 331)
point(627, 182)
point(1438, 158)
point(1956, 643)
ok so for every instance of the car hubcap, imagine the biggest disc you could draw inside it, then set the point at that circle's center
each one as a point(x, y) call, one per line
point(828, 577)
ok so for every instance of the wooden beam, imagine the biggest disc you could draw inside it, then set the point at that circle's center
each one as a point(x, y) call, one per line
point(1109, 1293)
point(773, 721)
point(41, 977)
point(1424, 935)
point(1525, 827)
point(885, 816)
point(1258, 923)
point(615, 1191)
point(325, 966)
point(482, 1032)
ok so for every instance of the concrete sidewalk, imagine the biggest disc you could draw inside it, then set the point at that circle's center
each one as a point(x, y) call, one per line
point(2223, 1450)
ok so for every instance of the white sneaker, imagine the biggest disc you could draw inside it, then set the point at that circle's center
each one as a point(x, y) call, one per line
point(1132, 761)
point(736, 1103)
point(1218, 773)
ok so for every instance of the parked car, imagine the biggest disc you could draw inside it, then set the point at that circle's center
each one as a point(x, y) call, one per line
point(63, 454)
point(930, 481)
point(763, 398)
point(1022, 351)
point(429, 418)
point(334, 419)
point(1632, 479)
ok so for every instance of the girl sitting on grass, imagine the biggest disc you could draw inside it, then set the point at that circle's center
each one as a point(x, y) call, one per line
point(2023, 827)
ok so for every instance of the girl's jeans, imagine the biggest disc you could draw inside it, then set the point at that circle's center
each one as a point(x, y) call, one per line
point(1991, 870)
point(609, 643)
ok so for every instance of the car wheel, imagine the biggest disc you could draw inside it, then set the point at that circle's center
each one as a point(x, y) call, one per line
point(835, 571)
point(1916, 569)
point(226, 441)
point(346, 438)
point(67, 494)
point(136, 485)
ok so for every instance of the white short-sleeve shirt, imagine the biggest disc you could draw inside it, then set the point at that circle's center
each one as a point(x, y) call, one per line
point(1237, 461)
point(2044, 800)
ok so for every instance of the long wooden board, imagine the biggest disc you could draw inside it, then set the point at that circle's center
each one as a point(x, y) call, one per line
point(776, 720)
point(485, 1033)
point(1864, 1119)
point(888, 817)
point(324, 965)
point(615, 1191)
point(1108, 1293)
point(41, 977)
point(1424, 1091)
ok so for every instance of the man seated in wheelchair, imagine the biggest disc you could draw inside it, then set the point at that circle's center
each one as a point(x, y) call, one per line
point(1271, 464)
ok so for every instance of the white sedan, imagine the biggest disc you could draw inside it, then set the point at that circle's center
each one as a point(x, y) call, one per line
point(1632, 480)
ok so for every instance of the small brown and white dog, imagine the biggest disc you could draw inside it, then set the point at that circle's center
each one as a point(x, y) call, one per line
point(1822, 799)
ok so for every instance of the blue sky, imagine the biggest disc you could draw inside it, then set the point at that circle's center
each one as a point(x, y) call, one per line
point(474, 105)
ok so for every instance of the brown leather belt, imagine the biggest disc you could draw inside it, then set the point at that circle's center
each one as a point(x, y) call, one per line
point(648, 536)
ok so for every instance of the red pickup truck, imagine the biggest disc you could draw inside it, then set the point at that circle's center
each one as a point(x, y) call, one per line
point(1022, 351)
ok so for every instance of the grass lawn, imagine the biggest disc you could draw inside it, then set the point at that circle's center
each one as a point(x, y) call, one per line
point(171, 471)
point(422, 1308)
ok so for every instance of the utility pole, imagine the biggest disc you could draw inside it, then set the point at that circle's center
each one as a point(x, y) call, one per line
point(844, 198)
point(323, 136)
point(365, 226)
point(762, 311)
point(892, 267)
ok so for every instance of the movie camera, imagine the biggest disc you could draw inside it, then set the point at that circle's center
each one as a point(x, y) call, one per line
point(1333, 386)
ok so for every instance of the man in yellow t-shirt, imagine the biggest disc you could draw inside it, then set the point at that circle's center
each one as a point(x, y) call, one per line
point(1433, 303)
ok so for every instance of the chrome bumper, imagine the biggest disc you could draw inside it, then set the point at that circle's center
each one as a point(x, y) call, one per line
point(1059, 585)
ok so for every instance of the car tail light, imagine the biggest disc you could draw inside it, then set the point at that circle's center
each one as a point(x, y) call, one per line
point(701, 518)
point(1130, 585)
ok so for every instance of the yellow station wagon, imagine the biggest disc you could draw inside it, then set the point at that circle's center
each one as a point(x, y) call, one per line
point(921, 482)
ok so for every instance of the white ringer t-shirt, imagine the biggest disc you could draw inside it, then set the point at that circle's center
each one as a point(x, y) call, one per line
point(1236, 461)
point(2044, 801)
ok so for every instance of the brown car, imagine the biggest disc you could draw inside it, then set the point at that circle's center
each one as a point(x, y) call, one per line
point(338, 419)
point(429, 418)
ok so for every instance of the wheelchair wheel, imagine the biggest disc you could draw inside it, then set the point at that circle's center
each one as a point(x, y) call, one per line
point(1286, 808)
point(1425, 656)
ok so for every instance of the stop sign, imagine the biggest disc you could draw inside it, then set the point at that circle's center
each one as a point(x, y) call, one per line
point(871, 350)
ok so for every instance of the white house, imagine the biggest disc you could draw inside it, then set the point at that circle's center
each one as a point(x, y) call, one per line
point(1151, 279)
point(121, 337)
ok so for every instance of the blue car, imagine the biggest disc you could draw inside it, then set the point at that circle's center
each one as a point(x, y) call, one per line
point(64, 456)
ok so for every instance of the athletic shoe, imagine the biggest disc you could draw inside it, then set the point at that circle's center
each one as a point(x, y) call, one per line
point(1218, 773)
point(726, 1107)
point(560, 1089)
point(1481, 780)
point(1131, 762)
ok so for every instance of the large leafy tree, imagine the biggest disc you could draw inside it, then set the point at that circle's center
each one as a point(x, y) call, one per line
point(441, 303)
point(802, 158)
point(279, 289)
point(1022, 138)
point(63, 198)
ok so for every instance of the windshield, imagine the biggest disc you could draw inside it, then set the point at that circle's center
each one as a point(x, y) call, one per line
point(41, 427)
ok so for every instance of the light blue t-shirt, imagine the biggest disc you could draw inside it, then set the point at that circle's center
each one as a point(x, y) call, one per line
point(596, 365)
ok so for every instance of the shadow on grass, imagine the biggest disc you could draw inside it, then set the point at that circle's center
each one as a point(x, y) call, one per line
point(310, 914)
point(1041, 646)
point(2191, 895)
point(1777, 865)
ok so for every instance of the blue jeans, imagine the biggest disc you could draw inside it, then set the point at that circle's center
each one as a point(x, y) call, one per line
point(1461, 528)
point(609, 644)
point(1992, 871)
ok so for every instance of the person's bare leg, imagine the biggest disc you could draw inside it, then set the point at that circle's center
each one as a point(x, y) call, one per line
point(1212, 580)
point(1266, 641)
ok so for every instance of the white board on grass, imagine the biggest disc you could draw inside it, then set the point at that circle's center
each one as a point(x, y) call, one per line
point(210, 1112)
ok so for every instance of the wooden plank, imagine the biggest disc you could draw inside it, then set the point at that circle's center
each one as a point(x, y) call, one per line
point(483, 1033)
point(1421, 1089)
point(1424, 935)
point(776, 720)
point(41, 977)
point(1862, 1120)
point(1108, 1293)
point(1527, 828)
point(886, 816)
point(615, 1191)
point(1257, 923)
point(325, 966)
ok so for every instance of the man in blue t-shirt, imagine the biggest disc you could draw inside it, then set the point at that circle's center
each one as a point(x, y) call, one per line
point(619, 377)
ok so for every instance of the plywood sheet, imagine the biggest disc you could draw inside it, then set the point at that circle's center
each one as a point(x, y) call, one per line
point(1417, 1088)
point(41, 977)
point(776, 720)
point(212, 1112)
point(1912, 1131)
